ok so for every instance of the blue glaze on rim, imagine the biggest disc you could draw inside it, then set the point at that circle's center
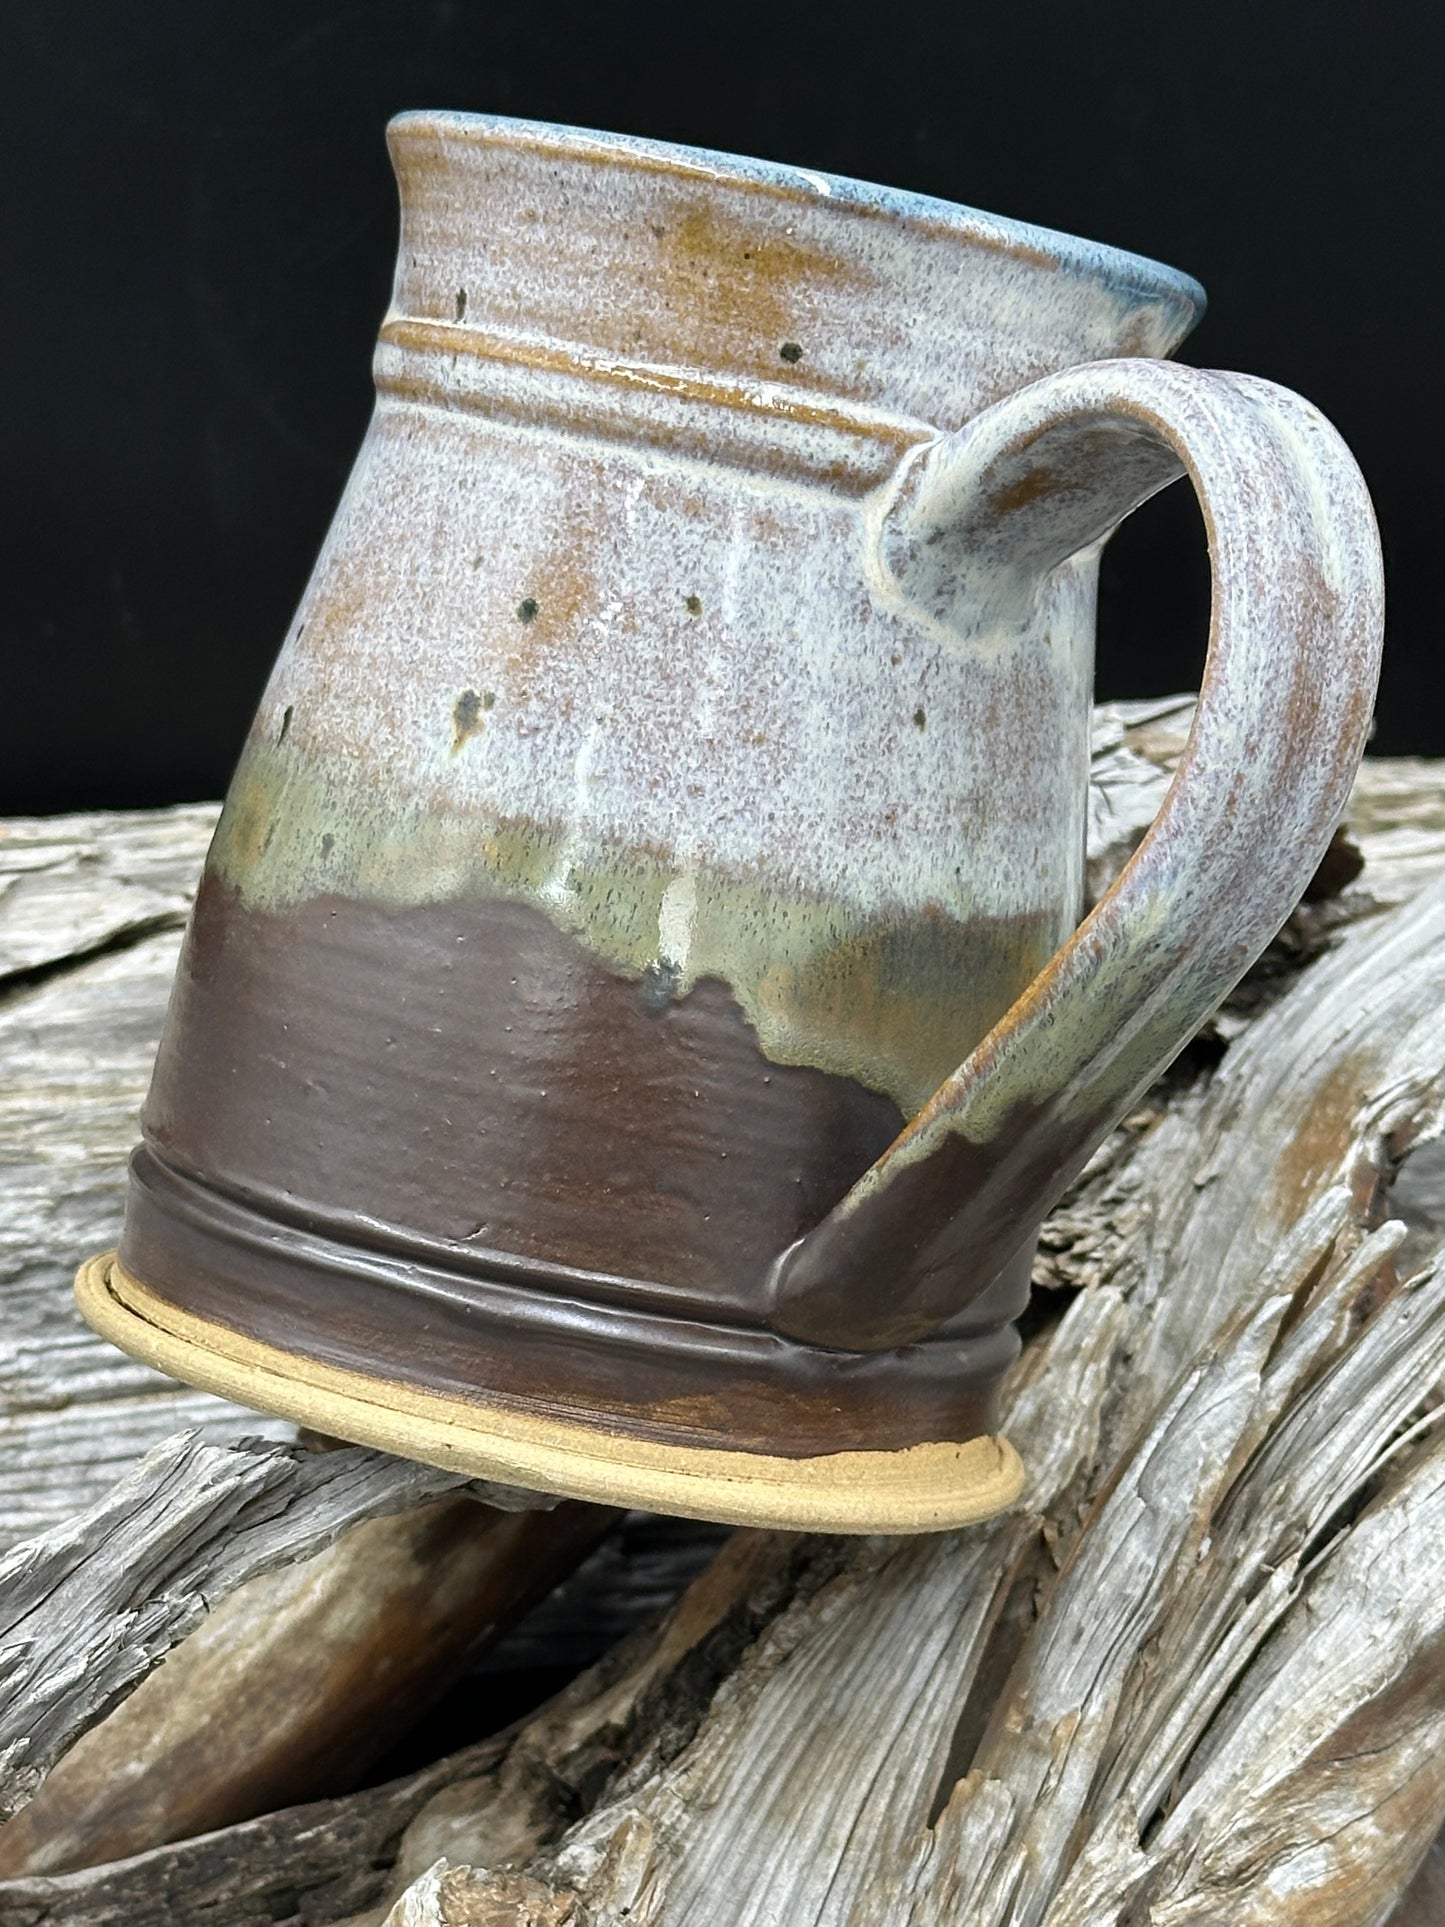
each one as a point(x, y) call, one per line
point(1116, 268)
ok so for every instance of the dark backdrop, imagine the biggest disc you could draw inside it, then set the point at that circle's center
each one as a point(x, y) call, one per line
point(197, 249)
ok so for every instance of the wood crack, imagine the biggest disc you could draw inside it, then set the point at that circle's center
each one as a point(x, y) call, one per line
point(15, 985)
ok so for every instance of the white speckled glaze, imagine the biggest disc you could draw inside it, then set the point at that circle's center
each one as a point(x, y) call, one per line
point(730, 745)
point(717, 579)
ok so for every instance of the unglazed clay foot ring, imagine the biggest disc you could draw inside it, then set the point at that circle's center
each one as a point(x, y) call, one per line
point(923, 1488)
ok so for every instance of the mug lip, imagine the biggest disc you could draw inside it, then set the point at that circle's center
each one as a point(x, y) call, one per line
point(1117, 268)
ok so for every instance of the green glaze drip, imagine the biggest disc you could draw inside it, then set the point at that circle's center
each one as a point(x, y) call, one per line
point(894, 1005)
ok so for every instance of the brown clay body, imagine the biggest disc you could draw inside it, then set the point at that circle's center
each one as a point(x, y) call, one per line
point(675, 772)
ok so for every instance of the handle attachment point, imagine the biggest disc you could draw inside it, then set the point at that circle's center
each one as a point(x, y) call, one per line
point(1284, 710)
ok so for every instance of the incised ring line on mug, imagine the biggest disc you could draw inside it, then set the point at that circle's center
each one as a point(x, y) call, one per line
point(630, 1029)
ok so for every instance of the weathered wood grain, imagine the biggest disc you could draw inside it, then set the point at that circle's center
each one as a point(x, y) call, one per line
point(91, 911)
point(89, 1607)
point(1194, 1680)
point(324, 1862)
point(298, 1680)
point(303, 1866)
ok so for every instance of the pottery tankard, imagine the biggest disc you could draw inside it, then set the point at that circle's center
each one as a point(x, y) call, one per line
point(633, 1022)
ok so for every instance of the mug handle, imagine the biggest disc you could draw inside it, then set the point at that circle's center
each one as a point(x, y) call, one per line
point(977, 524)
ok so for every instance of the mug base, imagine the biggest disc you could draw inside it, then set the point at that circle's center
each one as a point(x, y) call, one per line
point(929, 1487)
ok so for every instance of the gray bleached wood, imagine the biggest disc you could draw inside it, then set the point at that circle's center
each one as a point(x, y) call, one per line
point(320, 1863)
point(91, 911)
point(87, 1609)
point(1189, 1684)
point(299, 1679)
point(939, 1731)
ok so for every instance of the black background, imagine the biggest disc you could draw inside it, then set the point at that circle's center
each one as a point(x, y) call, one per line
point(199, 225)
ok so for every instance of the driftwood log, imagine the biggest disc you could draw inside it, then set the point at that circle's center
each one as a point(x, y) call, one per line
point(1197, 1677)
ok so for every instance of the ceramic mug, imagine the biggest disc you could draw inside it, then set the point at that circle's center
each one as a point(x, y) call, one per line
point(632, 1024)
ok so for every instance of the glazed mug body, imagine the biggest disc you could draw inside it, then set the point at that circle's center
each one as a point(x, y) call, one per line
point(623, 854)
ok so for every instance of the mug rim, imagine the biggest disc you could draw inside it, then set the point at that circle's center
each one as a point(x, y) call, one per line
point(1116, 268)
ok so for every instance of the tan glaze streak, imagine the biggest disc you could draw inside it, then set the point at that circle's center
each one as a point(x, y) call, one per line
point(649, 256)
point(748, 288)
point(549, 613)
point(669, 166)
point(734, 290)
